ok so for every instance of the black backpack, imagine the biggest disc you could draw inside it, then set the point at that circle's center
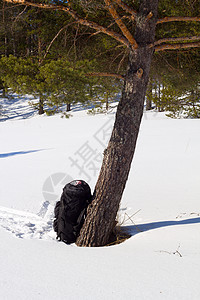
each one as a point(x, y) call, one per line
point(70, 211)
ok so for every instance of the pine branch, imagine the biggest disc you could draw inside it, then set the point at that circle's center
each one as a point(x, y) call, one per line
point(106, 75)
point(120, 23)
point(122, 39)
point(178, 19)
point(126, 8)
point(177, 39)
point(177, 46)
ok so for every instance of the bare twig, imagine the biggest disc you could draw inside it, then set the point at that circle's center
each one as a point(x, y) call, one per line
point(17, 17)
point(122, 60)
point(10, 7)
point(126, 215)
point(135, 213)
point(175, 252)
point(115, 58)
point(55, 37)
point(75, 38)
point(130, 218)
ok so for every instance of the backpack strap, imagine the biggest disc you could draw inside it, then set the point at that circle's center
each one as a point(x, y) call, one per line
point(80, 220)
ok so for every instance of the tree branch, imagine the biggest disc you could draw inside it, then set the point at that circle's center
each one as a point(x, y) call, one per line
point(120, 38)
point(178, 19)
point(121, 25)
point(177, 46)
point(55, 37)
point(106, 75)
point(126, 8)
point(179, 39)
point(17, 17)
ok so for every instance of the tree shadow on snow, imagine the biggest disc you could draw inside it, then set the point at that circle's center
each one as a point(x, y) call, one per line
point(4, 155)
point(19, 116)
point(135, 229)
point(16, 107)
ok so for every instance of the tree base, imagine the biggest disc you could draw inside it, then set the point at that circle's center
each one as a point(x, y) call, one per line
point(118, 236)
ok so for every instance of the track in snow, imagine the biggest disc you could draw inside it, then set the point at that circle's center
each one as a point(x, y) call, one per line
point(27, 225)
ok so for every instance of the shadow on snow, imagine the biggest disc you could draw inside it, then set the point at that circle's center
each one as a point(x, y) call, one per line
point(15, 107)
point(4, 155)
point(135, 229)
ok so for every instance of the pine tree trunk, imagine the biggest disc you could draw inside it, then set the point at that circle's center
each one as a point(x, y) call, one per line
point(5, 30)
point(41, 106)
point(110, 185)
point(149, 96)
point(160, 109)
point(107, 104)
point(68, 107)
point(4, 92)
point(39, 48)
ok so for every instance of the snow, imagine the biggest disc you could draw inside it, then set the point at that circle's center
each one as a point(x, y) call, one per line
point(160, 208)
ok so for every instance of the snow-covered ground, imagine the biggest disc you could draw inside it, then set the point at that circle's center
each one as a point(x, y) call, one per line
point(160, 207)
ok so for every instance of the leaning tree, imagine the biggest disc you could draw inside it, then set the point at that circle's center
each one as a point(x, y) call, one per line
point(133, 24)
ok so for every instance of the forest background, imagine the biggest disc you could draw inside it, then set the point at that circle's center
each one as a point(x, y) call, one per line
point(47, 54)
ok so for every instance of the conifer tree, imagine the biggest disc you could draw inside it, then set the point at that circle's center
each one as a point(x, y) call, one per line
point(134, 27)
point(55, 83)
point(174, 76)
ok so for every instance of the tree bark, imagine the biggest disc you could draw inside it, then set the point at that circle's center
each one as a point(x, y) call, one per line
point(149, 96)
point(41, 106)
point(101, 214)
point(160, 108)
point(107, 101)
point(3, 92)
point(5, 30)
point(68, 107)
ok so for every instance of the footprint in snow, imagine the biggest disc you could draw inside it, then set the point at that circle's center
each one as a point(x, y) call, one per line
point(27, 225)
